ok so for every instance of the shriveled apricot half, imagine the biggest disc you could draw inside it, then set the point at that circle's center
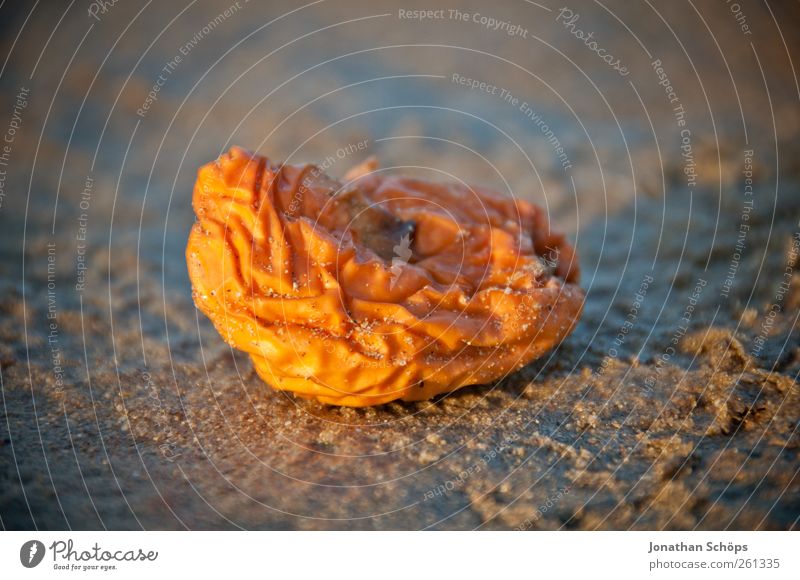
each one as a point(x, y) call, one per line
point(378, 288)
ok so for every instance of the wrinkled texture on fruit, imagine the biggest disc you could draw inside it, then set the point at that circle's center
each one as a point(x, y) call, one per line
point(378, 288)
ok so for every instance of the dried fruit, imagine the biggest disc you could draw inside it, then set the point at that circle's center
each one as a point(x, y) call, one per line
point(377, 289)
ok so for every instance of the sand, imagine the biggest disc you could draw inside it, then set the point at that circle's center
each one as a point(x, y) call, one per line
point(674, 404)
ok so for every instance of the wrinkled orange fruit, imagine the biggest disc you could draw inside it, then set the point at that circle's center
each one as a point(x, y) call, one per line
point(378, 288)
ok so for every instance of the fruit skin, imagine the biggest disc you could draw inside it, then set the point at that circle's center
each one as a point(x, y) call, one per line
point(290, 267)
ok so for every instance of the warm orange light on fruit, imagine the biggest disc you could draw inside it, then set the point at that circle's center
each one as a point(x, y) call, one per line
point(377, 289)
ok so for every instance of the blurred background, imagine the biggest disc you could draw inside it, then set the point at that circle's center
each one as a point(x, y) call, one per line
point(662, 137)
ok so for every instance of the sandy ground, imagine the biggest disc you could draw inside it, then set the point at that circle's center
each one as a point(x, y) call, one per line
point(675, 403)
